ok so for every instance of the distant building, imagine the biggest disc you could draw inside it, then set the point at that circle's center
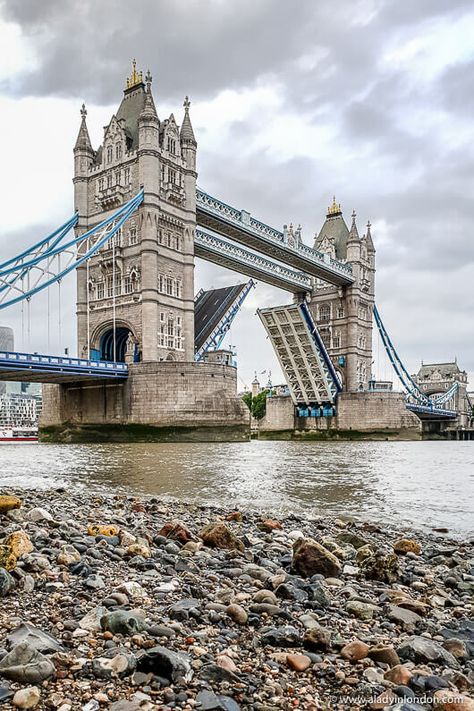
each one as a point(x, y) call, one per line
point(19, 410)
point(20, 403)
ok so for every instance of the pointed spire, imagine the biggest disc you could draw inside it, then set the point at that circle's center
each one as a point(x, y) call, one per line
point(83, 141)
point(148, 80)
point(370, 244)
point(149, 110)
point(187, 133)
point(354, 232)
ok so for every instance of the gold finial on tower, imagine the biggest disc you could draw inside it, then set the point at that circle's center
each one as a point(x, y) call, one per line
point(335, 208)
point(135, 77)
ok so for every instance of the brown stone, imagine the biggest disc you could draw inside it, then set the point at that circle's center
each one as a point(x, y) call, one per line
point(176, 531)
point(270, 524)
point(218, 535)
point(298, 662)
point(355, 651)
point(237, 613)
point(140, 547)
point(401, 616)
point(7, 558)
point(448, 700)
point(311, 558)
point(399, 675)
point(100, 529)
point(234, 516)
point(317, 639)
point(406, 545)
point(457, 648)
point(7, 503)
point(379, 566)
point(19, 543)
point(384, 653)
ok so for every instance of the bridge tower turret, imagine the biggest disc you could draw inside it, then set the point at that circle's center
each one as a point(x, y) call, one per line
point(136, 297)
point(344, 314)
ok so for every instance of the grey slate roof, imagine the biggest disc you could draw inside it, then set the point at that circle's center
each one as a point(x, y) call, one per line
point(445, 369)
point(130, 108)
point(335, 227)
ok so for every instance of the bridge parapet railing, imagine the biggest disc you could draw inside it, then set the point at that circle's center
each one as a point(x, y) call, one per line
point(39, 359)
point(243, 218)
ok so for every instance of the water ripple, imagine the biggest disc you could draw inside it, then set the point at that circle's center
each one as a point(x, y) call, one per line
point(421, 484)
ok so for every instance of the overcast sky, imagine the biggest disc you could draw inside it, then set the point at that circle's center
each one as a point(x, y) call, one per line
point(371, 100)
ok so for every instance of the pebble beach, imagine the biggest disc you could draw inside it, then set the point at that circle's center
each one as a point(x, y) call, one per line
point(136, 603)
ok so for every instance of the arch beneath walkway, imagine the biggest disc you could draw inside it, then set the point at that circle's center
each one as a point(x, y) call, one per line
point(113, 345)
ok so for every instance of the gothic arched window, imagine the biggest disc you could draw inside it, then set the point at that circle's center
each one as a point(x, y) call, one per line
point(324, 312)
point(118, 151)
point(110, 154)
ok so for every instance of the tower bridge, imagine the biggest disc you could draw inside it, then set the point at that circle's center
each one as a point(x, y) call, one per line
point(148, 349)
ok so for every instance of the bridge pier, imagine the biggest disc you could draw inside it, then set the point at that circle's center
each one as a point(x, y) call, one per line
point(168, 401)
point(359, 415)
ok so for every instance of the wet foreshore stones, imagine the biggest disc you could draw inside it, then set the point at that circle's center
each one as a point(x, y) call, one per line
point(311, 558)
point(120, 603)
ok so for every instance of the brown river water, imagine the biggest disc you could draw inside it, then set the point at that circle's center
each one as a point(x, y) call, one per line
point(417, 484)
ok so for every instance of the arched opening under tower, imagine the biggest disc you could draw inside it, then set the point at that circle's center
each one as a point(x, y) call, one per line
point(113, 344)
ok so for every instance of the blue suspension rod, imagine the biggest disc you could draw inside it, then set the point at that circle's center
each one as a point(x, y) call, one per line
point(405, 378)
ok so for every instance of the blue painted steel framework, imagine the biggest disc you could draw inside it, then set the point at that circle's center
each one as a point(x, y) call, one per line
point(416, 400)
point(40, 266)
point(33, 367)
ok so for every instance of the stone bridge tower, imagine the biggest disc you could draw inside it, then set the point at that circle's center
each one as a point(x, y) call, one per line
point(344, 314)
point(435, 379)
point(135, 299)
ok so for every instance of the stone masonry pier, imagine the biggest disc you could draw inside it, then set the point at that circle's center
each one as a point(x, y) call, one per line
point(159, 401)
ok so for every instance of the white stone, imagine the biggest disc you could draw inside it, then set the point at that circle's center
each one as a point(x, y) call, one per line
point(27, 698)
point(38, 514)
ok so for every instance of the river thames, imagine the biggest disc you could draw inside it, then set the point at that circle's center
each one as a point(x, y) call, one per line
point(417, 484)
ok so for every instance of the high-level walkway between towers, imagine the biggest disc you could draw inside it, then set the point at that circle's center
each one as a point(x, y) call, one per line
point(240, 226)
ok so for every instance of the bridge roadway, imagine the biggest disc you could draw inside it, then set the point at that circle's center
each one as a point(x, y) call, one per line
point(35, 368)
point(432, 413)
point(226, 254)
point(241, 227)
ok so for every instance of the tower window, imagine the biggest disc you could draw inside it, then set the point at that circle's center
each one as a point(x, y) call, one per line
point(324, 313)
point(127, 176)
point(172, 145)
point(118, 151)
point(110, 154)
point(133, 237)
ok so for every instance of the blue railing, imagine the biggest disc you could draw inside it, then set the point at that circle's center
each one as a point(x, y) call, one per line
point(27, 362)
